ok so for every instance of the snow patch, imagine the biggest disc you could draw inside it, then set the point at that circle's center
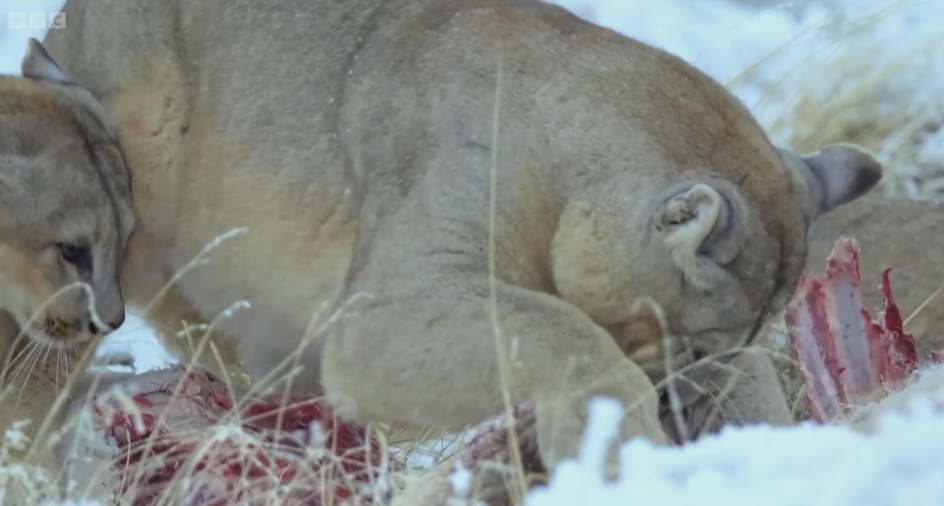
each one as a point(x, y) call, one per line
point(899, 464)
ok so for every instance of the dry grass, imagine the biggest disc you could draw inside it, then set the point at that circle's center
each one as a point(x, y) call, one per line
point(877, 92)
point(24, 480)
point(839, 94)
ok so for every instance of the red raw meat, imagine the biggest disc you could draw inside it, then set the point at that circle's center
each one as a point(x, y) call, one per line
point(176, 442)
point(846, 357)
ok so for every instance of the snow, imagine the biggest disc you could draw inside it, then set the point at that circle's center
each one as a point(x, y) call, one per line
point(771, 57)
point(899, 464)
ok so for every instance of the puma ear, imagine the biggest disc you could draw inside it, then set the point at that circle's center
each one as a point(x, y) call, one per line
point(696, 225)
point(839, 174)
point(37, 64)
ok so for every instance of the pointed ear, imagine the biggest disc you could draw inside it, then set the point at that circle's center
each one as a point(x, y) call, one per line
point(838, 174)
point(87, 110)
point(37, 64)
point(698, 224)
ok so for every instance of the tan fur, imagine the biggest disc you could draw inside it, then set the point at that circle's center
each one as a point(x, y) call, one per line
point(738, 389)
point(33, 384)
point(354, 141)
point(746, 391)
point(62, 181)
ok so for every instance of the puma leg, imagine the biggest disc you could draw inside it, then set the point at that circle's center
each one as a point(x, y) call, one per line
point(430, 359)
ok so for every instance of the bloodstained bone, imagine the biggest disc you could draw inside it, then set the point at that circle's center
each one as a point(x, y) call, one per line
point(846, 357)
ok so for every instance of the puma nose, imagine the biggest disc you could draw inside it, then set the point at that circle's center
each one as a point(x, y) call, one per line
point(117, 322)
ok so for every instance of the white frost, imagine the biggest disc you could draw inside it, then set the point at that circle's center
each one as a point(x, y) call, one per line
point(899, 464)
point(460, 479)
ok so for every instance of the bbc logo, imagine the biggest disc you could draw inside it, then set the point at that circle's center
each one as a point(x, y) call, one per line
point(36, 20)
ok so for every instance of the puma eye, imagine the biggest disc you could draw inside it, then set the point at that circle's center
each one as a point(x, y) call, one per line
point(71, 253)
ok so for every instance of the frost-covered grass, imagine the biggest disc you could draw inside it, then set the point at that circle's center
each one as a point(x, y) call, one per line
point(22, 482)
point(865, 71)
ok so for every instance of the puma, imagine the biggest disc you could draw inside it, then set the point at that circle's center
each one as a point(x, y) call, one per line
point(356, 143)
point(65, 217)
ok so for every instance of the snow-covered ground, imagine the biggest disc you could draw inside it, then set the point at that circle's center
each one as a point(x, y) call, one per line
point(900, 464)
point(787, 63)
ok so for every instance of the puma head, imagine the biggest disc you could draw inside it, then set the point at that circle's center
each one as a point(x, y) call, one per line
point(65, 213)
point(719, 257)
